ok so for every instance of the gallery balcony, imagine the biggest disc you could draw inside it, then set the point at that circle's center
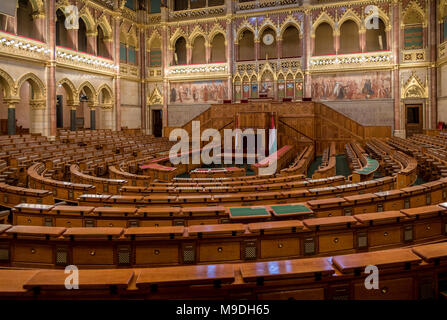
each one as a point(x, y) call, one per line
point(199, 71)
point(352, 61)
point(263, 4)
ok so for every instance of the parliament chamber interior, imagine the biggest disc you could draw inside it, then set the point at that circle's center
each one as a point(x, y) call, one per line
point(345, 100)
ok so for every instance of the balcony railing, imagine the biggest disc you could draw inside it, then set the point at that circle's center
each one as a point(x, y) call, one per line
point(198, 69)
point(348, 61)
point(197, 13)
point(276, 65)
point(84, 60)
point(24, 47)
point(261, 4)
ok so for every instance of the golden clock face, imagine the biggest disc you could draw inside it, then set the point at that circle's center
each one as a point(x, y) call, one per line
point(268, 39)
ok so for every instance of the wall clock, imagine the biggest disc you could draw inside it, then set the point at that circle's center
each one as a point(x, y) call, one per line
point(268, 39)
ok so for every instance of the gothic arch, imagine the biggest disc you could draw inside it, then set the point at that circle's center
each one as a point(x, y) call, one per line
point(177, 34)
point(91, 92)
point(290, 23)
point(104, 24)
point(70, 89)
point(268, 24)
point(414, 14)
point(324, 17)
point(154, 36)
point(37, 85)
point(245, 26)
point(197, 32)
point(87, 17)
point(350, 15)
point(7, 83)
point(105, 87)
point(385, 19)
point(217, 29)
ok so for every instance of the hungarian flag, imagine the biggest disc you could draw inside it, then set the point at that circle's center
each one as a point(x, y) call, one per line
point(272, 137)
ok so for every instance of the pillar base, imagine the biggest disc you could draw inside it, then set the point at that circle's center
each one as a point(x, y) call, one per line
point(400, 134)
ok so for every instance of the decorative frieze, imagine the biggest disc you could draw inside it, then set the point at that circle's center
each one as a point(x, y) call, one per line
point(414, 55)
point(196, 13)
point(261, 4)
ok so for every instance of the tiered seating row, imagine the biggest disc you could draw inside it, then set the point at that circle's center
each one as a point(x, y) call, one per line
point(327, 167)
point(241, 198)
point(104, 215)
point(301, 163)
point(25, 246)
point(405, 274)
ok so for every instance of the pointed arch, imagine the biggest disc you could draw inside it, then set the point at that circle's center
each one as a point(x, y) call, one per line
point(70, 89)
point(196, 33)
point(38, 6)
point(38, 87)
point(154, 36)
point(290, 23)
point(382, 15)
point(87, 17)
point(268, 24)
point(350, 15)
point(7, 84)
point(89, 90)
point(104, 24)
point(244, 27)
point(414, 14)
point(179, 33)
point(217, 29)
point(105, 88)
point(323, 18)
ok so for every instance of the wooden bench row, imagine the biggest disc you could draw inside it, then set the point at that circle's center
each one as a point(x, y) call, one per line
point(329, 161)
point(109, 213)
point(25, 246)
point(301, 163)
point(415, 273)
point(240, 198)
point(251, 185)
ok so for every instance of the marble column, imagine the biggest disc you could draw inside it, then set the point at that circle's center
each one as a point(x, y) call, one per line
point(398, 130)
point(72, 37)
point(73, 117)
point(91, 43)
point(362, 39)
point(279, 48)
point(165, 64)
point(229, 42)
point(51, 68)
point(308, 47)
point(257, 49)
point(207, 53)
point(143, 79)
point(93, 118)
point(433, 70)
point(11, 116)
point(116, 78)
point(39, 26)
point(188, 54)
point(336, 41)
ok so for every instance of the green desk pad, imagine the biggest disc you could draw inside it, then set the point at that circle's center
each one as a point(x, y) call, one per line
point(249, 212)
point(290, 208)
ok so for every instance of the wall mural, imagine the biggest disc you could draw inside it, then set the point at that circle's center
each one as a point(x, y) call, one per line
point(198, 92)
point(373, 85)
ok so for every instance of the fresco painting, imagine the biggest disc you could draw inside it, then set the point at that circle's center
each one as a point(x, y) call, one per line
point(198, 92)
point(366, 86)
